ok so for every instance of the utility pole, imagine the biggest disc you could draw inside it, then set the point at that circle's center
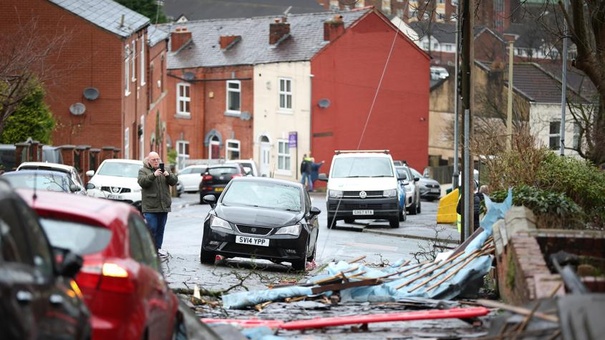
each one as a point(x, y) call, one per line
point(467, 103)
point(509, 111)
point(456, 170)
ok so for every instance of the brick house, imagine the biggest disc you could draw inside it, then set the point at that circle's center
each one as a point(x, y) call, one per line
point(274, 88)
point(100, 92)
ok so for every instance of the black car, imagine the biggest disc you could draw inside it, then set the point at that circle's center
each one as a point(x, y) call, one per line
point(261, 218)
point(217, 176)
point(40, 299)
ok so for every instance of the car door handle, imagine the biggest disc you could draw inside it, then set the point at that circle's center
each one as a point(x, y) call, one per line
point(24, 297)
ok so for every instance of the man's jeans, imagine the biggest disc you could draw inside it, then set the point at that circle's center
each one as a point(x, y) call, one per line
point(156, 222)
point(306, 178)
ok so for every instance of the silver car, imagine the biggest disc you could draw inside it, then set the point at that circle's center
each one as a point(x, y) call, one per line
point(430, 189)
point(412, 188)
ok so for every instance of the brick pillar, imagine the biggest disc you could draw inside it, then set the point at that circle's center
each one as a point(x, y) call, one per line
point(21, 149)
point(67, 152)
point(107, 152)
point(35, 151)
point(82, 160)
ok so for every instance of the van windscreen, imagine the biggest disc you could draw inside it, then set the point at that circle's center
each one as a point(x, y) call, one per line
point(362, 167)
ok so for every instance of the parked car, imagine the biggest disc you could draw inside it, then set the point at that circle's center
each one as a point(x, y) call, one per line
point(121, 278)
point(40, 299)
point(41, 180)
point(116, 179)
point(217, 176)
point(430, 189)
point(71, 171)
point(248, 164)
point(261, 218)
point(191, 176)
point(412, 189)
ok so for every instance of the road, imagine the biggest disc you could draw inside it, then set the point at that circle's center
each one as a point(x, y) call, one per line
point(374, 240)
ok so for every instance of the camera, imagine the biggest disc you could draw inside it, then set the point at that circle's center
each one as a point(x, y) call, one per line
point(162, 167)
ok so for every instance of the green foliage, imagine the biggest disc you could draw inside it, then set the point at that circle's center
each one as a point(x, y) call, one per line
point(542, 202)
point(172, 156)
point(32, 118)
point(148, 8)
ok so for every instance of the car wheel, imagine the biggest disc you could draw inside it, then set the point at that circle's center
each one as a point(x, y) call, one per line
point(419, 207)
point(201, 198)
point(413, 208)
point(300, 265)
point(394, 222)
point(206, 257)
point(331, 221)
point(403, 215)
point(312, 256)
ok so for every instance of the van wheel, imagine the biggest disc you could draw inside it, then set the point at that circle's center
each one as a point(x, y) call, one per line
point(331, 222)
point(394, 222)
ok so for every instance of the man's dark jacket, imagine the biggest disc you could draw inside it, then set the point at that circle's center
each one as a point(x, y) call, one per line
point(156, 195)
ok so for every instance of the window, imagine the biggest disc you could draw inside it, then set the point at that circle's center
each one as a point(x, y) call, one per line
point(233, 149)
point(133, 61)
point(554, 135)
point(285, 94)
point(283, 155)
point(182, 152)
point(127, 70)
point(183, 99)
point(233, 96)
point(143, 62)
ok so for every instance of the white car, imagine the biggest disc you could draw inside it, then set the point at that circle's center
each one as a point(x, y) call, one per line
point(116, 179)
point(71, 171)
point(191, 176)
point(248, 164)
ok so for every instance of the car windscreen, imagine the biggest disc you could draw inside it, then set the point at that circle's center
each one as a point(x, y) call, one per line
point(48, 181)
point(117, 169)
point(263, 194)
point(362, 167)
point(80, 238)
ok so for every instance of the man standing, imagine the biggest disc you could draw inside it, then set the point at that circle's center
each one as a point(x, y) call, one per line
point(305, 171)
point(155, 181)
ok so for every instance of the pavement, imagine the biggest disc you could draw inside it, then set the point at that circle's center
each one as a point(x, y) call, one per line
point(445, 235)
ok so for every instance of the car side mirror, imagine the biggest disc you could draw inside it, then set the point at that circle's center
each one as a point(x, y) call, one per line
point(322, 177)
point(90, 186)
point(210, 199)
point(68, 262)
point(315, 211)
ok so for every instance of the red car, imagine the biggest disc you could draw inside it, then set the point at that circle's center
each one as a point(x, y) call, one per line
point(121, 278)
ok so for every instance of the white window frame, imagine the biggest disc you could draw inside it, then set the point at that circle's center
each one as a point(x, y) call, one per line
point(182, 153)
point(126, 143)
point(232, 149)
point(285, 94)
point(556, 135)
point(143, 61)
point(133, 61)
point(127, 70)
point(183, 99)
point(232, 90)
point(284, 158)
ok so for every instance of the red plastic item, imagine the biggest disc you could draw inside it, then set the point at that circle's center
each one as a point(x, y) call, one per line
point(454, 313)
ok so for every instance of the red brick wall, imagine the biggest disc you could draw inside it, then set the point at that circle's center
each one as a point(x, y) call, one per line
point(92, 57)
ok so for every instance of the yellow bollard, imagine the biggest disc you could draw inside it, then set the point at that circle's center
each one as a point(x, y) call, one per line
point(446, 211)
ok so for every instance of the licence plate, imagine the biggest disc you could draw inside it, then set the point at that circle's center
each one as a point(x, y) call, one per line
point(114, 197)
point(218, 189)
point(363, 212)
point(435, 190)
point(252, 240)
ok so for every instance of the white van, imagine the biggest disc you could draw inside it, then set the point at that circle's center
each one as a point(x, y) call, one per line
point(363, 184)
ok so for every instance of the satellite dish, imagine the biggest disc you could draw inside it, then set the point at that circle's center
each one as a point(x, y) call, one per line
point(189, 75)
point(77, 109)
point(91, 93)
point(324, 103)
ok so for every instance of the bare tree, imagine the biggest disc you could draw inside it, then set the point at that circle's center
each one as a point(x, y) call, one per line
point(23, 63)
point(585, 22)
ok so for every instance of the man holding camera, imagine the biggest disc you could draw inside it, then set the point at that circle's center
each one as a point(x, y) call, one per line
point(155, 182)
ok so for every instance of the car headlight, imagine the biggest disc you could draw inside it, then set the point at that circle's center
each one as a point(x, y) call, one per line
point(389, 193)
point(219, 223)
point(289, 230)
point(335, 193)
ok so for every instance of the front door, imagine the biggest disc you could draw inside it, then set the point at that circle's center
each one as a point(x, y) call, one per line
point(265, 157)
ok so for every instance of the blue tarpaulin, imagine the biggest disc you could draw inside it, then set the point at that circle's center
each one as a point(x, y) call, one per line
point(444, 279)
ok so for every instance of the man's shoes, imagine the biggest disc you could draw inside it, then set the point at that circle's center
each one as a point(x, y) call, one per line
point(162, 252)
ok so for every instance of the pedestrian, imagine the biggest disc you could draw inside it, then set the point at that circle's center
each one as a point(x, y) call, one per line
point(155, 181)
point(315, 171)
point(305, 171)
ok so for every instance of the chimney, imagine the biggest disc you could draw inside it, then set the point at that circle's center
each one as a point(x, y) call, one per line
point(278, 30)
point(179, 38)
point(227, 41)
point(334, 28)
